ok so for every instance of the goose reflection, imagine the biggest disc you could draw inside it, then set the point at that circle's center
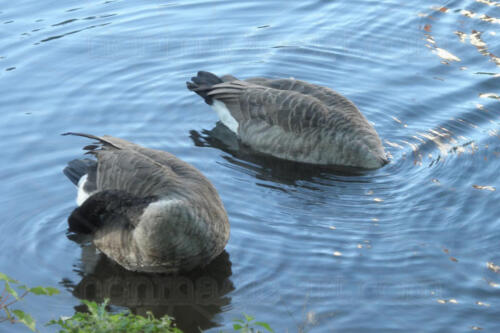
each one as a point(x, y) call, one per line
point(265, 167)
point(192, 298)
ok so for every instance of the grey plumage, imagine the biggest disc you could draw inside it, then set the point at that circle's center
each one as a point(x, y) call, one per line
point(295, 120)
point(150, 211)
point(76, 169)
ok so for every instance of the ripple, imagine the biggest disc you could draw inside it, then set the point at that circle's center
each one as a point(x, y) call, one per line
point(310, 248)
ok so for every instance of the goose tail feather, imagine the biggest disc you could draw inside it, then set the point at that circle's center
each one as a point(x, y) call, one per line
point(202, 84)
point(76, 169)
point(101, 140)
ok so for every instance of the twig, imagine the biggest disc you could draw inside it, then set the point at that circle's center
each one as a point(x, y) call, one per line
point(4, 292)
point(19, 298)
point(4, 300)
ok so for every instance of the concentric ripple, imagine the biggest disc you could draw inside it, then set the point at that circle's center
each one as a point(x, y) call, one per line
point(409, 247)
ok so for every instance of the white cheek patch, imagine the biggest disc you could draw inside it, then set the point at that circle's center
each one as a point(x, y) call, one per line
point(225, 116)
point(82, 195)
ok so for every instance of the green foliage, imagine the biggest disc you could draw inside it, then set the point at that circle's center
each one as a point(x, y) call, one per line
point(26, 319)
point(99, 320)
point(10, 296)
point(49, 291)
point(249, 325)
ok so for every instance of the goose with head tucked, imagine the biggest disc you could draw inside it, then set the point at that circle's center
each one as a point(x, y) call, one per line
point(293, 120)
point(146, 209)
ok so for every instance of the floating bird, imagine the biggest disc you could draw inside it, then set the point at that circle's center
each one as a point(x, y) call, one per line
point(146, 209)
point(293, 120)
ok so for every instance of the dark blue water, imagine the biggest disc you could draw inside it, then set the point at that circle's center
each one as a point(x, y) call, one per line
point(404, 248)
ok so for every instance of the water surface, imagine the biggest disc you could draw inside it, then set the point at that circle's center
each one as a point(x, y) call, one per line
point(403, 248)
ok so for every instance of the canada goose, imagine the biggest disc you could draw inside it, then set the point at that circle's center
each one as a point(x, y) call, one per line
point(146, 209)
point(293, 120)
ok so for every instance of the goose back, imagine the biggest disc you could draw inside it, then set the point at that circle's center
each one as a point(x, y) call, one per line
point(151, 211)
point(298, 121)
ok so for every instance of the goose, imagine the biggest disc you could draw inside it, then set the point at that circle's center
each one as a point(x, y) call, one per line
point(292, 120)
point(146, 209)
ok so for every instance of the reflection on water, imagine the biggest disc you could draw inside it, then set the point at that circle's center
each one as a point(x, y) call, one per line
point(453, 135)
point(193, 298)
point(475, 35)
point(378, 251)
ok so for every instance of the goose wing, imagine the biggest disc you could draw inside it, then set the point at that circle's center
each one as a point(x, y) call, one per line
point(290, 104)
point(330, 98)
point(299, 121)
point(288, 109)
point(140, 171)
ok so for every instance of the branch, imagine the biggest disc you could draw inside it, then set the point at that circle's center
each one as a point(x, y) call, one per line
point(3, 295)
point(4, 300)
point(20, 298)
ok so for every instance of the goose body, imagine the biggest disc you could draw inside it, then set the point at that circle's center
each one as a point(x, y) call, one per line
point(293, 120)
point(146, 209)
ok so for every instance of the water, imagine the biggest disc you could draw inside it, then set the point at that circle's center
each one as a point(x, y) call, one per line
point(403, 248)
